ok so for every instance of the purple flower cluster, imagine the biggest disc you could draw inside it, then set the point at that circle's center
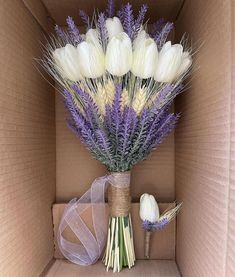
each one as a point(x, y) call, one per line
point(73, 31)
point(140, 19)
point(110, 11)
point(158, 225)
point(161, 35)
point(85, 18)
point(128, 20)
point(103, 32)
point(121, 138)
point(131, 25)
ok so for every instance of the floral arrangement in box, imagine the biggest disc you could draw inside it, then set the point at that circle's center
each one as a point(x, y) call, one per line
point(118, 81)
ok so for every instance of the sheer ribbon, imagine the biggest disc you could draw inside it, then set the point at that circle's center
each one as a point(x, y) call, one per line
point(90, 248)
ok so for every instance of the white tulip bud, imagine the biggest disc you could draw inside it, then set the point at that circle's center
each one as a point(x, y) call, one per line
point(185, 64)
point(142, 35)
point(118, 58)
point(114, 27)
point(145, 58)
point(170, 58)
point(67, 62)
point(91, 59)
point(148, 208)
point(92, 37)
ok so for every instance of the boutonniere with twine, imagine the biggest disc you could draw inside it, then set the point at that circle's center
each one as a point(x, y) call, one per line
point(152, 220)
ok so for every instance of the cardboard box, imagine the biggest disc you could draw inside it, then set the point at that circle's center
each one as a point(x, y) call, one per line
point(42, 163)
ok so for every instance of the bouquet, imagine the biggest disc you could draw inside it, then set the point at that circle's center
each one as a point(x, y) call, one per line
point(118, 81)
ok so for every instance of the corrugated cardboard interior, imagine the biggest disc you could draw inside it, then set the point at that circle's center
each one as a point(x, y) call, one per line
point(27, 171)
point(205, 144)
point(43, 163)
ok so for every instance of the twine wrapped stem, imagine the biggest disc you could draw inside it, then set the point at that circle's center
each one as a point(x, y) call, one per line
point(120, 246)
point(147, 244)
point(119, 200)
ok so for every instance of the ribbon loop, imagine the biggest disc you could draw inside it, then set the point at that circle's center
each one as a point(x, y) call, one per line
point(90, 248)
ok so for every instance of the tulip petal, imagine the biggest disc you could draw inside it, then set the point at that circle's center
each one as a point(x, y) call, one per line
point(66, 59)
point(114, 27)
point(118, 58)
point(170, 59)
point(149, 208)
point(91, 60)
point(145, 58)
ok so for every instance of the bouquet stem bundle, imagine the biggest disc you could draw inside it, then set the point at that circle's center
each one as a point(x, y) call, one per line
point(119, 251)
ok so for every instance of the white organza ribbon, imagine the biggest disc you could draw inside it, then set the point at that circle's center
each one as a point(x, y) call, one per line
point(90, 248)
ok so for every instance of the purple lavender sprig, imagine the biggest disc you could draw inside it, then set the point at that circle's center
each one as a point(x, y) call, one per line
point(110, 8)
point(126, 131)
point(161, 97)
point(62, 37)
point(90, 107)
point(73, 31)
point(106, 147)
point(128, 20)
point(77, 122)
point(85, 18)
point(161, 36)
point(116, 116)
point(108, 118)
point(158, 128)
point(157, 27)
point(154, 126)
point(103, 32)
point(140, 19)
point(138, 136)
point(121, 14)
point(60, 32)
point(158, 225)
point(94, 139)
point(166, 96)
point(167, 125)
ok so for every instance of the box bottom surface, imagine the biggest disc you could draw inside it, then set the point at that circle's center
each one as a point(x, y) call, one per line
point(156, 268)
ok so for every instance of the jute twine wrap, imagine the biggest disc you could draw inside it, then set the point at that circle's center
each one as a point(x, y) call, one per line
point(147, 244)
point(119, 194)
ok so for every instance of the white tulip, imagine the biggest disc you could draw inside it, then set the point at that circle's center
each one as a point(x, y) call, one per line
point(67, 62)
point(118, 58)
point(145, 57)
point(114, 27)
point(149, 208)
point(172, 62)
point(141, 36)
point(185, 64)
point(92, 37)
point(91, 59)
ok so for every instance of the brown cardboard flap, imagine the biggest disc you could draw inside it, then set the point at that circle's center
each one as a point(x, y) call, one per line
point(39, 12)
point(162, 242)
point(27, 147)
point(59, 10)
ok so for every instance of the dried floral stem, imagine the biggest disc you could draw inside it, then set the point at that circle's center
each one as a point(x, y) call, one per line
point(119, 251)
